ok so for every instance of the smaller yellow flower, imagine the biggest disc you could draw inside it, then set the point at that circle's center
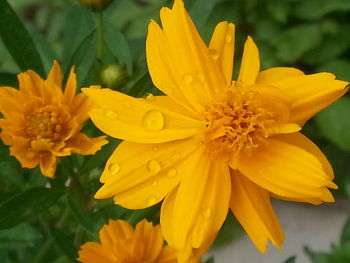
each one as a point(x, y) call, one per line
point(120, 243)
point(96, 5)
point(41, 122)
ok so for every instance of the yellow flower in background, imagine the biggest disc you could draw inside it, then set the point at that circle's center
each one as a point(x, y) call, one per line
point(96, 5)
point(212, 143)
point(120, 243)
point(41, 122)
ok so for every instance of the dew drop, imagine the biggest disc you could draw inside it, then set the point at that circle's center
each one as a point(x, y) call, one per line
point(149, 97)
point(228, 39)
point(200, 77)
point(214, 54)
point(114, 168)
point(153, 120)
point(153, 166)
point(155, 148)
point(111, 114)
point(188, 78)
point(152, 200)
point(172, 173)
point(206, 213)
point(155, 183)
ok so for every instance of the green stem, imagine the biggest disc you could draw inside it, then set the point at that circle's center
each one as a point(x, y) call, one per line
point(101, 36)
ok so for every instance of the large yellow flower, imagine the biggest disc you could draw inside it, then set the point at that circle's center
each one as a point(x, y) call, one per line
point(41, 123)
point(120, 243)
point(212, 143)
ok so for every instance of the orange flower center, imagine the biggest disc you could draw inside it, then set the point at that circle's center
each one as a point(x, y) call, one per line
point(240, 122)
point(43, 125)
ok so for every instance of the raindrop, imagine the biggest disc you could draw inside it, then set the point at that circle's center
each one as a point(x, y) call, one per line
point(206, 213)
point(153, 166)
point(153, 120)
point(172, 173)
point(155, 183)
point(188, 78)
point(228, 39)
point(200, 77)
point(111, 114)
point(152, 200)
point(114, 168)
point(214, 54)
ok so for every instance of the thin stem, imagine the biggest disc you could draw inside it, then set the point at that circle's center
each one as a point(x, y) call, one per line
point(101, 36)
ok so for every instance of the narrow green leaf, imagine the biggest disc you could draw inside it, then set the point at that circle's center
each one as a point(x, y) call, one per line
point(18, 41)
point(345, 235)
point(316, 257)
point(83, 216)
point(65, 244)
point(290, 260)
point(118, 45)
point(334, 123)
point(201, 10)
point(316, 9)
point(26, 205)
point(22, 235)
point(143, 86)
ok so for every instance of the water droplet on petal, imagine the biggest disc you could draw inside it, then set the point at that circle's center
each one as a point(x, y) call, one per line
point(206, 213)
point(172, 173)
point(155, 148)
point(200, 77)
point(228, 39)
point(155, 183)
point(153, 166)
point(214, 54)
point(152, 200)
point(188, 78)
point(111, 114)
point(149, 97)
point(114, 168)
point(153, 120)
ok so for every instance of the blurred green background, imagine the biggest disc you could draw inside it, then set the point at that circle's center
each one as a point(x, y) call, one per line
point(312, 35)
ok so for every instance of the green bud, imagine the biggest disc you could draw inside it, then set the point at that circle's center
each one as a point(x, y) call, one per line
point(113, 76)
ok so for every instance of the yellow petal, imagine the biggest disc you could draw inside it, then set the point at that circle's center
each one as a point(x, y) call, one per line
point(222, 42)
point(93, 252)
point(144, 181)
point(286, 170)
point(152, 240)
point(115, 231)
point(69, 91)
point(55, 75)
point(272, 75)
point(250, 65)
point(309, 93)
point(252, 207)
point(178, 57)
point(167, 255)
point(48, 163)
point(137, 120)
point(300, 140)
point(81, 144)
point(197, 209)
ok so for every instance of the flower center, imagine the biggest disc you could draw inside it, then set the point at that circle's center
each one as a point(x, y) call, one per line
point(43, 125)
point(238, 123)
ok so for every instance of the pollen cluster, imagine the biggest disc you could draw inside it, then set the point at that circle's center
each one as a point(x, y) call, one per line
point(237, 123)
point(43, 125)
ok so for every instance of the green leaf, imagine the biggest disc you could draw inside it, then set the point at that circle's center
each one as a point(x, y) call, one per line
point(345, 234)
point(8, 79)
point(292, 44)
point(290, 260)
point(83, 216)
point(18, 41)
point(27, 204)
point(316, 9)
point(341, 68)
point(118, 45)
point(278, 10)
point(334, 123)
point(22, 235)
point(210, 260)
point(316, 257)
point(65, 244)
point(143, 86)
point(201, 10)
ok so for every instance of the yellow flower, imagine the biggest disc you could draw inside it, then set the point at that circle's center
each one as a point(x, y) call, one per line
point(120, 243)
point(212, 143)
point(41, 123)
point(96, 5)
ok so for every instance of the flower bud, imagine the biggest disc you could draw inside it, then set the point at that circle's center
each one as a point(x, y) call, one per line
point(113, 76)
